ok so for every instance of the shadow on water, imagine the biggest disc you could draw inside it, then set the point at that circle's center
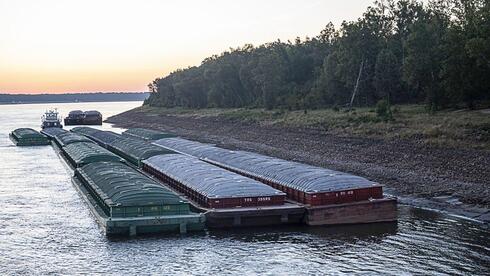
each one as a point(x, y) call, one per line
point(157, 236)
point(369, 232)
point(277, 233)
point(424, 214)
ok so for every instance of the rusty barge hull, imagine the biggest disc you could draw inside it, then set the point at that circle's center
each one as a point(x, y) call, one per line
point(369, 211)
point(289, 213)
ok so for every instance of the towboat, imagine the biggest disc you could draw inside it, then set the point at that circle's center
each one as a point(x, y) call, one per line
point(51, 119)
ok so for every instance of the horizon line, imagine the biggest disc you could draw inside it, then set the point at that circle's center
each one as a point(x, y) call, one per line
point(70, 92)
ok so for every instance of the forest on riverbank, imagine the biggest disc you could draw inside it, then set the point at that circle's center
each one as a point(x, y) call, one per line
point(398, 52)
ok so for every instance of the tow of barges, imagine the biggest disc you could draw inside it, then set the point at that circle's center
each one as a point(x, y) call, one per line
point(144, 181)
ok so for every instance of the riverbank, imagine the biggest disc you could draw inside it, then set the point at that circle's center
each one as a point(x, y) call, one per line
point(436, 161)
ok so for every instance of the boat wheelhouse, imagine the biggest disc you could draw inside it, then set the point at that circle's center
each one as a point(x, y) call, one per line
point(51, 119)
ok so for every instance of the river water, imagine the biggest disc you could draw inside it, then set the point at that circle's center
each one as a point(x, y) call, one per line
point(46, 228)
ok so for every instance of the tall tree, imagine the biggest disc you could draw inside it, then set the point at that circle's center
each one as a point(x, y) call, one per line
point(387, 77)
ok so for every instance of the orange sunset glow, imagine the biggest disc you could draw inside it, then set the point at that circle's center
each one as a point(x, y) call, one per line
point(84, 46)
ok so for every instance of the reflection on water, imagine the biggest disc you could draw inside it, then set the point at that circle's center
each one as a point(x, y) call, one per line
point(275, 234)
point(46, 228)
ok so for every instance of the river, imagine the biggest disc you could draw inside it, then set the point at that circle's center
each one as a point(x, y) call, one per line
point(46, 228)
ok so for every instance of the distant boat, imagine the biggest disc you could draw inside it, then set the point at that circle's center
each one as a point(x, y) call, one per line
point(51, 119)
point(78, 117)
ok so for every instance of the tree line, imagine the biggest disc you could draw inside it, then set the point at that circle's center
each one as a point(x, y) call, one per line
point(73, 97)
point(398, 51)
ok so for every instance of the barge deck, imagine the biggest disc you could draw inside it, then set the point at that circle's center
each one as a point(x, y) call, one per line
point(138, 225)
point(134, 225)
point(28, 137)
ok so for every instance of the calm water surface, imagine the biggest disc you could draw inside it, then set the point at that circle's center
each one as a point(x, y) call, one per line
point(46, 228)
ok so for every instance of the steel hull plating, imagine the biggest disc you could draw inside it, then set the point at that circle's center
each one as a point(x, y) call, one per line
point(369, 211)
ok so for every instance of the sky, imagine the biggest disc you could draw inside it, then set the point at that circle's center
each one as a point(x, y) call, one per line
point(57, 46)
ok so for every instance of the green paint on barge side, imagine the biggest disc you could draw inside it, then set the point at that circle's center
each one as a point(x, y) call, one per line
point(82, 153)
point(28, 137)
point(127, 202)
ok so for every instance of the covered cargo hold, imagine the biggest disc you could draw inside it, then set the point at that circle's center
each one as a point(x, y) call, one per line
point(146, 134)
point(66, 138)
point(50, 132)
point(122, 191)
point(28, 137)
point(136, 150)
point(74, 117)
point(105, 138)
point(209, 185)
point(124, 201)
point(78, 117)
point(92, 117)
point(184, 146)
point(101, 137)
point(83, 153)
point(85, 130)
point(303, 183)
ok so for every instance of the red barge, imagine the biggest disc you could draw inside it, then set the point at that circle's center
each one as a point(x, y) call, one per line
point(330, 197)
point(228, 199)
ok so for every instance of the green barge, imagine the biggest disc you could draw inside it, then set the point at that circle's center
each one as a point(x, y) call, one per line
point(147, 134)
point(125, 202)
point(81, 153)
point(28, 137)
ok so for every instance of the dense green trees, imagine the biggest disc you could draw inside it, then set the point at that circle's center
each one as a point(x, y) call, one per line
point(401, 52)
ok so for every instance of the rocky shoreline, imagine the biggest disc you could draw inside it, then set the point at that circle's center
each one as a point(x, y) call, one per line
point(455, 180)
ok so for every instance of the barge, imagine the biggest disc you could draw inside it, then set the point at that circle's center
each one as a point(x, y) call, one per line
point(135, 150)
point(228, 199)
point(147, 134)
point(211, 186)
point(28, 137)
point(126, 202)
point(103, 138)
point(79, 117)
point(51, 132)
point(63, 139)
point(79, 154)
point(132, 149)
point(123, 200)
point(330, 197)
